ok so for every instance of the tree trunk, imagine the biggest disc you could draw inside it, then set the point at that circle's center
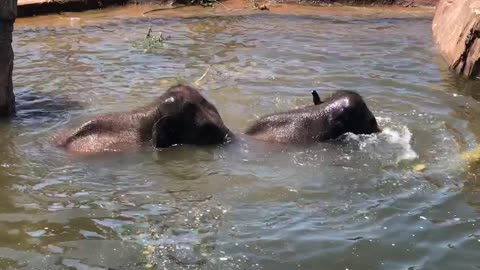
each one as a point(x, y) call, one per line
point(8, 13)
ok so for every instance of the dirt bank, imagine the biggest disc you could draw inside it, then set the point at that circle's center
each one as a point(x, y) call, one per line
point(405, 3)
point(226, 8)
point(28, 8)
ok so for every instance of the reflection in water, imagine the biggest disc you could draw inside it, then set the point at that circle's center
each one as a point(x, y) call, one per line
point(354, 203)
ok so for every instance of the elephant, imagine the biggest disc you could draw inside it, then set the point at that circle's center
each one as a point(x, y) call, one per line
point(343, 112)
point(180, 116)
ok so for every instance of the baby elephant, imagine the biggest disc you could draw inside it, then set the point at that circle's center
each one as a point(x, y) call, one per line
point(343, 112)
point(179, 116)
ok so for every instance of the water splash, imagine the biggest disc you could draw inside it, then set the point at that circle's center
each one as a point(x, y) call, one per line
point(402, 138)
point(393, 144)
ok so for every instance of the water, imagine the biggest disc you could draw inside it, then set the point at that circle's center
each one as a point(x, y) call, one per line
point(352, 204)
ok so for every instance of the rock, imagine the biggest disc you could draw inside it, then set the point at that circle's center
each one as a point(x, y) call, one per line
point(456, 31)
point(8, 12)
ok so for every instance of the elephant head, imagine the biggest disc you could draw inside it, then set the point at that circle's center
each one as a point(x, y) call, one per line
point(184, 116)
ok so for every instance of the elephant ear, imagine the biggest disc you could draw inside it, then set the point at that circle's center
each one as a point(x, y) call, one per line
point(164, 132)
point(339, 122)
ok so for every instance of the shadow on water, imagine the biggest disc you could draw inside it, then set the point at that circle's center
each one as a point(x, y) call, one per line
point(34, 108)
point(467, 87)
point(8, 161)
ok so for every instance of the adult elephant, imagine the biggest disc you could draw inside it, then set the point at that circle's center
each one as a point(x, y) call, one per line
point(343, 112)
point(179, 116)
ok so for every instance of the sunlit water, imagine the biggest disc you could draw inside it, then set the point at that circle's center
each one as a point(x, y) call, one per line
point(356, 203)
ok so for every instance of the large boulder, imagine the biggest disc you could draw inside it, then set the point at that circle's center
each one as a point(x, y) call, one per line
point(8, 13)
point(456, 31)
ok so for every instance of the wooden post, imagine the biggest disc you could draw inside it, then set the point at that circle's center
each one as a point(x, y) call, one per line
point(8, 13)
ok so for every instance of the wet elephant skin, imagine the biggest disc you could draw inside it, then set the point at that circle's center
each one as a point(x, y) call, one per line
point(179, 116)
point(343, 112)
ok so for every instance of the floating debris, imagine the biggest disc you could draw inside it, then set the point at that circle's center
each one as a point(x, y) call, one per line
point(471, 156)
point(420, 167)
point(151, 248)
point(152, 41)
point(197, 82)
point(260, 6)
point(149, 32)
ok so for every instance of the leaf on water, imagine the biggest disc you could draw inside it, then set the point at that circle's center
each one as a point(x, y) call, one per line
point(148, 265)
point(420, 167)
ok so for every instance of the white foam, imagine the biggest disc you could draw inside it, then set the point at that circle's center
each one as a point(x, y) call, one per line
point(393, 143)
point(402, 138)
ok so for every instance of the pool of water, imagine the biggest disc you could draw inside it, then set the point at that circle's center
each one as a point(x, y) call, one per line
point(352, 204)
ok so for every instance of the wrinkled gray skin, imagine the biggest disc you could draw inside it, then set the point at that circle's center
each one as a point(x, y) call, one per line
point(343, 112)
point(180, 116)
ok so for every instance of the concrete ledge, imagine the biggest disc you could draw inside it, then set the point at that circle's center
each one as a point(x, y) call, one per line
point(28, 8)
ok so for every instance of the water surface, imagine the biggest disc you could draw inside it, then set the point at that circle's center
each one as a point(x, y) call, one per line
point(351, 204)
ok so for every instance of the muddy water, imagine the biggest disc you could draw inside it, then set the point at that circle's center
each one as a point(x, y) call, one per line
point(350, 204)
